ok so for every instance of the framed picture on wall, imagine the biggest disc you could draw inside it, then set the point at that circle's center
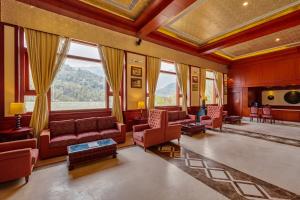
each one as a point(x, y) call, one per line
point(136, 83)
point(136, 71)
point(195, 79)
point(195, 87)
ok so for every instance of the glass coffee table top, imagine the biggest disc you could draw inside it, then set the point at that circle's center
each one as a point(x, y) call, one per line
point(90, 145)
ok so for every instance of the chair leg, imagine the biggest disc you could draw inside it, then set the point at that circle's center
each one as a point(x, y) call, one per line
point(178, 141)
point(26, 179)
point(145, 149)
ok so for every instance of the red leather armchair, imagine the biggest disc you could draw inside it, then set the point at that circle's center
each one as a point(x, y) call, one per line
point(150, 134)
point(214, 117)
point(17, 159)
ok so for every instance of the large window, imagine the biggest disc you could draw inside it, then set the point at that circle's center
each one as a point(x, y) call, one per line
point(79, 84)
point(210, 88)
point(167, 89)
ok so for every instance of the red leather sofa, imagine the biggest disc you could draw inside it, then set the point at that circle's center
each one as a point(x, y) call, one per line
point(17, 159)
point(54, 141)
point(180, 117)
point(157, 130)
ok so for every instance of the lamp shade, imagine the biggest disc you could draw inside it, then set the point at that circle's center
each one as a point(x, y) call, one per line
point(17, 108)
point(141, 105)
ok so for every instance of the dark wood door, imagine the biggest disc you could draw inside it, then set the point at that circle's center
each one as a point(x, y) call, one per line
point(235, 102)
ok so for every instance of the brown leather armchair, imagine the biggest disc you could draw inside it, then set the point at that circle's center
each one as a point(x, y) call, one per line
point(150, 134)
point(214, 117)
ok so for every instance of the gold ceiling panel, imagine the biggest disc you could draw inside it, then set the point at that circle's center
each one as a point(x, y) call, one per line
point(208, 20)
point(129, 9)
point(276, 41)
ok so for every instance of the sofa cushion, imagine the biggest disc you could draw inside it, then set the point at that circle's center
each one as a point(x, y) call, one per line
point(35, 155)
point(138, 136)
point(182, 115)
point(88, 137)
point(86, 125)
point(64, 127)
point(172, 116)
point(206, 122)
point(108, 122)
point(109, 133)
point(64, 140)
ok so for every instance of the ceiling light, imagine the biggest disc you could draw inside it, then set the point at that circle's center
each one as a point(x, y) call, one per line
point(245, 3)
point(277, 39)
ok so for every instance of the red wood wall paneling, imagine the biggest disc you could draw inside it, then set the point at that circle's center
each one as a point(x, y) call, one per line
point(276, 69)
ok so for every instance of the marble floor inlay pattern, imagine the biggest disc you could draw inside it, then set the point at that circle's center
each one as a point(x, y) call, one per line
point(230, 182)
point(272, 138)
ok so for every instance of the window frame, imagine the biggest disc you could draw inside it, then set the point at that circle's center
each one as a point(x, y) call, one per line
point(214, 89)
point(25, 86)
point(178, 93)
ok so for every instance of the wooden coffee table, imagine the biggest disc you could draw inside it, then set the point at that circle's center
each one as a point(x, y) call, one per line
point(233, 119)
point(192, 128)
point(85, 152)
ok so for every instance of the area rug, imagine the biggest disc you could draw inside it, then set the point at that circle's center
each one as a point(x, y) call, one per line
point(272, 138)
point(230, 182)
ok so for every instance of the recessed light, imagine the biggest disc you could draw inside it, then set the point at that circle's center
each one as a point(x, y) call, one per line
point(277, 39)
point(245, 3)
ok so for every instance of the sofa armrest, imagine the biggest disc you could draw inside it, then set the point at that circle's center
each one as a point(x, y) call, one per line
point(140, 127)
point(122, 128)
point(44, 138)
point(205, 117)
point(16, 154)
point(20, 144)
point(193, 117)
point(174, 128)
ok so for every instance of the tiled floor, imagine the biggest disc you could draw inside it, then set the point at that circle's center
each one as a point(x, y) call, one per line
point(139, 175)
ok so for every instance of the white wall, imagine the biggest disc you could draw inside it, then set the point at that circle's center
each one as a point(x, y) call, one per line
point(278, 98)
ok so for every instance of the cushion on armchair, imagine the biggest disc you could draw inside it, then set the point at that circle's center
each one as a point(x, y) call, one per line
point(64, 127)
point(86, 125)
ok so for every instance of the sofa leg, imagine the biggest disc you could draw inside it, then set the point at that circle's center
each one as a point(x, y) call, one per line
point(26, 179)
point(145, 149)
point(178, 141)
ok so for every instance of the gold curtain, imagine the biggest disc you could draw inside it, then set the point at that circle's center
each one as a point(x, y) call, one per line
point(153, 69)
point(182, 77)
point(219, 87)
point(113, 63)
point(46, 54)
point(202, 84)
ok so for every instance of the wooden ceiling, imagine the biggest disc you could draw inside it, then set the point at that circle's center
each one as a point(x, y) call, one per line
point(221, 31)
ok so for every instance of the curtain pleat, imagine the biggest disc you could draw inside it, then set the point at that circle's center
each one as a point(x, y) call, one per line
point(182, 77)
point(153, 69)
point(219, 87)
point(113, 63)
point(46, 55)
point(202, 84)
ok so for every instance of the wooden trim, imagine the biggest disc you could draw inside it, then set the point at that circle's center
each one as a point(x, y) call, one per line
point(2, 70)
point(17, 66)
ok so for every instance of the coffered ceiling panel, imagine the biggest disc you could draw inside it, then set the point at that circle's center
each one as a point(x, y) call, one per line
point(276, 41)
point(129, 9)
point(209, 20)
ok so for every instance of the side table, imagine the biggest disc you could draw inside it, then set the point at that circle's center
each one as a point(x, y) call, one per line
point(16, 134)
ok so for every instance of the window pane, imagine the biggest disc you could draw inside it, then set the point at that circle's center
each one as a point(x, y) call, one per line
point(210, 74)
point(29, 103)
point(83, 50)
point(79, 85)
point(31, 85)
point(166, 90)
point(166, 66)
point(209, 91)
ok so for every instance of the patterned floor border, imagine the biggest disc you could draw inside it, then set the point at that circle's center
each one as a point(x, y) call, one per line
point(224, 179)
point(272, 138)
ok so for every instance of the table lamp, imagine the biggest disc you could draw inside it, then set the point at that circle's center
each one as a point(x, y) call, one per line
point(141, 106)
point(17, 109)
